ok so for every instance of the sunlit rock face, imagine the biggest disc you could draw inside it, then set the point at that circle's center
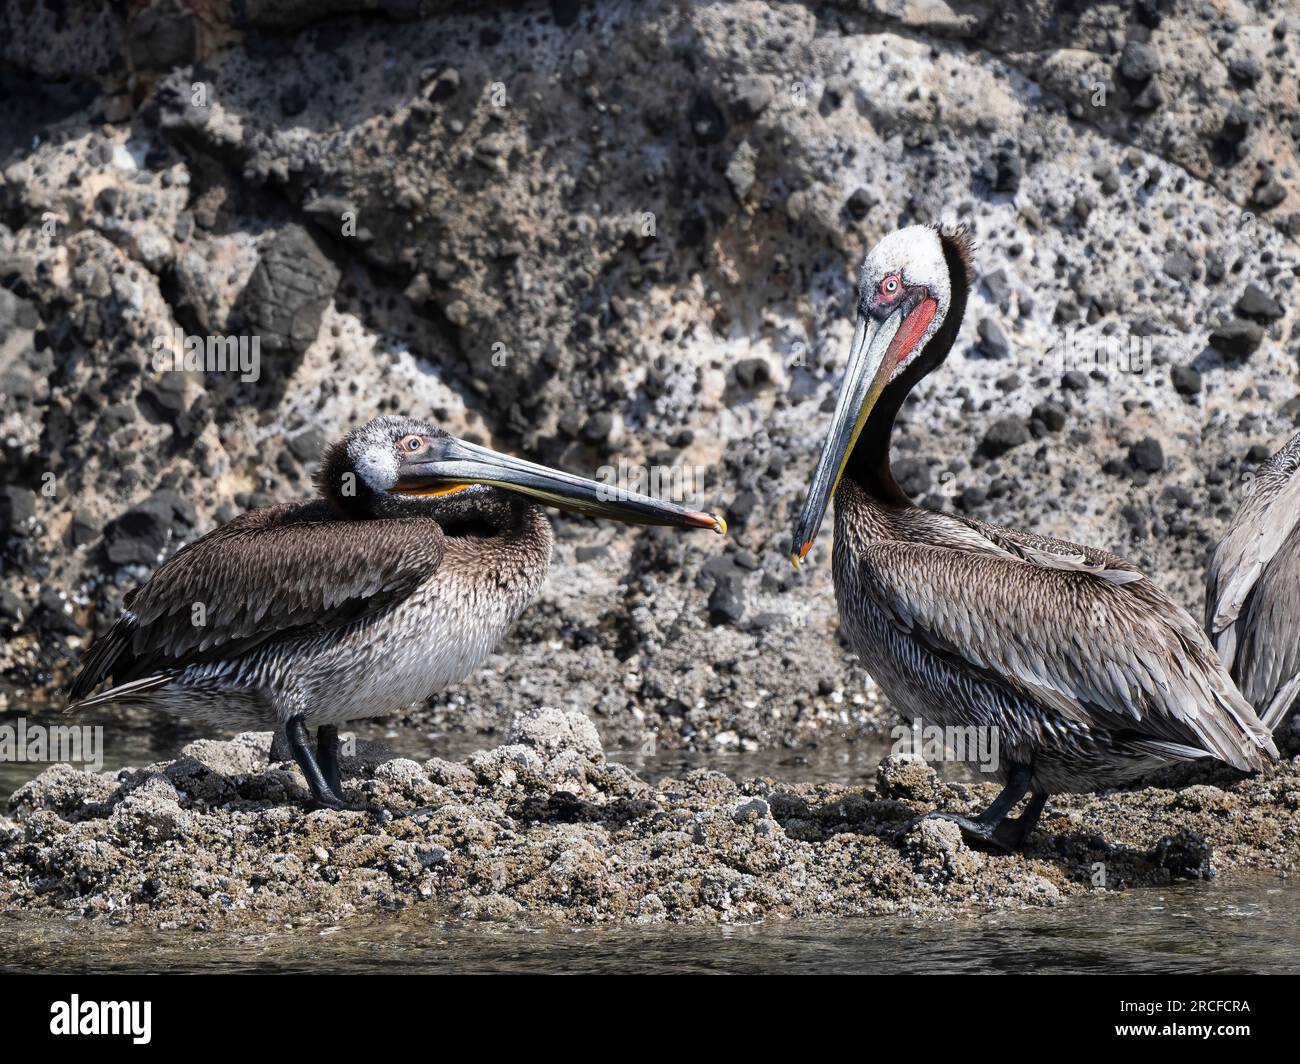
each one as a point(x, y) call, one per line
point(631, 236)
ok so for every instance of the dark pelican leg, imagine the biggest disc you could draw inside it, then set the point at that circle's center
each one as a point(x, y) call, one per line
point(323, 774)
point(991, 829)
point(280, 750)
point(327, 754)
point(300, 744)
point(1013, 831)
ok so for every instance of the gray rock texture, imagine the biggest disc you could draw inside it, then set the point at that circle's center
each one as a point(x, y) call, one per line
point(545, 828)
point(631, 235)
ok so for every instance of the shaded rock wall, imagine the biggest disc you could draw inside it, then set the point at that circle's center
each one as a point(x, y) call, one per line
point(592, 233)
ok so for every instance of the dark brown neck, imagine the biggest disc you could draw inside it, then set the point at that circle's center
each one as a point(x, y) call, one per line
point(868, 463)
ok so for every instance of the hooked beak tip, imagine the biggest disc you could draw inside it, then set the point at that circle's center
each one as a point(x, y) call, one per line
point(700, 519)
point(797, 556)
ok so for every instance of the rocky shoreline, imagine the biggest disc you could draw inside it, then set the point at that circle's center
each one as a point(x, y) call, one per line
point(545, 828)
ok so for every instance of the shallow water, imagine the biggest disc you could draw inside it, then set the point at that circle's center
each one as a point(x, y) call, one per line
point(135, 741)
point(1248, 927)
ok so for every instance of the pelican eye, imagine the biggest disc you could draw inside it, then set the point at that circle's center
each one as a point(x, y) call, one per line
point(890, 285)
point(411, 443)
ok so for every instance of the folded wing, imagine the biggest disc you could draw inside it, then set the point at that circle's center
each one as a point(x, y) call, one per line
point(1111, 654)
point(1252, 594)
point(273, 574)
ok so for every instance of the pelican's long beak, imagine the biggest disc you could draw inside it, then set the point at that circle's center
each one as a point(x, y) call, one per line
point(453, 464)
point(878, 346)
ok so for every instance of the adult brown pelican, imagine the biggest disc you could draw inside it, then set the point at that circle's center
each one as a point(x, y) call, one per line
point(1084, 672)
point(398, 581)
point(1252, 595)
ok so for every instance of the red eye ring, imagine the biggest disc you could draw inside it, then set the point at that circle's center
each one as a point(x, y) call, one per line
point(891, 286)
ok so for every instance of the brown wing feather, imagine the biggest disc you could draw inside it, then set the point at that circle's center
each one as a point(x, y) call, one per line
point(1119, 656)
point(269, 574)
point(1252, 593)
point(1054, 553)
point(1266, 662)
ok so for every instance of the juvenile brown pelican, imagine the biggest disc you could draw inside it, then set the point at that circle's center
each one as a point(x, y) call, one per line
point(1252, 595)
point(421, 553)
point(1084, 671)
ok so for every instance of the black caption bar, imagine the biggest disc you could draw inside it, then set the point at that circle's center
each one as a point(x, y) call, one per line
point(140, 1014)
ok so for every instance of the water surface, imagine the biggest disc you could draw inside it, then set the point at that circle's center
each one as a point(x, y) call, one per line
point(134, 740)
point(1197, 928)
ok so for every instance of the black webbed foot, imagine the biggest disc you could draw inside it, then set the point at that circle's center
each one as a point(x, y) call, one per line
point(340, 805)
point(978, 834)
point(992, 830)
point(1004, 836)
